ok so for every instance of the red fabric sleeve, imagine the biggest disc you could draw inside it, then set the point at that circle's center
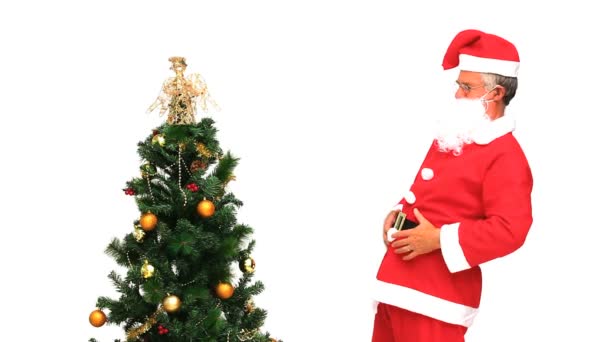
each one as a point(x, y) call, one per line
point(506, 193)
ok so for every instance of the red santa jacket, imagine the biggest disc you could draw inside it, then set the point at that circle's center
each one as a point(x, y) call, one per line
point(481, 201)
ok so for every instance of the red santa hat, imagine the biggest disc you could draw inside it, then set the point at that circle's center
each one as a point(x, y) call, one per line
point(477, 51)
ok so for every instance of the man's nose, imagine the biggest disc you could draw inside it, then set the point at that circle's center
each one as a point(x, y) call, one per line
point(459, 93)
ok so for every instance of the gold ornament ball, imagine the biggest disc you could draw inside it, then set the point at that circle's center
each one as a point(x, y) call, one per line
point(247, 265)
point(172, 303)
point(147, 170)
point(224, 290)
point(147, 270)
point(139, 234)
point(97, 318)
point(249, 306)
point(159, 139)
point(205, 208)
point(148, 221)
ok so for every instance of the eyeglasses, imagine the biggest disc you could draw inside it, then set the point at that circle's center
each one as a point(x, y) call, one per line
point(466, 88)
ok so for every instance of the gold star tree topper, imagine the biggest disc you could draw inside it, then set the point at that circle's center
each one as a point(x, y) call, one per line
point(182, 95)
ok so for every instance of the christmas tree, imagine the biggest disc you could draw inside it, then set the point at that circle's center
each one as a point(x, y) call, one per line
point(181, 258)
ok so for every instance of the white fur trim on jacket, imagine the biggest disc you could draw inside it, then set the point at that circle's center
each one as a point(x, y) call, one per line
point(424, 304)
point(450, 248)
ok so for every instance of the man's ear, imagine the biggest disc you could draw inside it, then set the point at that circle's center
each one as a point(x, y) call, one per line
point(497, 94)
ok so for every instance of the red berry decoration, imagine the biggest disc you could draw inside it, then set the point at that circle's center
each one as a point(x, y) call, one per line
point(192, 187)
point(129, 191)
point(162, 330)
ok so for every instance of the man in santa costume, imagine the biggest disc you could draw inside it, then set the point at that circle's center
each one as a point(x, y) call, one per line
point(470, 203)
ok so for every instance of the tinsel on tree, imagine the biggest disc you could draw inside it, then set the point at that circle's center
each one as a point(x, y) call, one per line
point(188, 261)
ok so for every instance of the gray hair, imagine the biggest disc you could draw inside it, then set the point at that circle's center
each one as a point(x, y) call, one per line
point(509, 83)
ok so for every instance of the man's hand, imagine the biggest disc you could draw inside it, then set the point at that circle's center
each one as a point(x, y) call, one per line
point(422, 239)
point(389, 222)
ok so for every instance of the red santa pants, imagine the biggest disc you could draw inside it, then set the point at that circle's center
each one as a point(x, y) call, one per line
point(393, 324)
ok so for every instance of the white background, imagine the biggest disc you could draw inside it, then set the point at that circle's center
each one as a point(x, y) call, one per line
point(328, 104)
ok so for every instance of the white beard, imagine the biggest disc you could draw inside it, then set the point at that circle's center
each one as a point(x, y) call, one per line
point(457, 124)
